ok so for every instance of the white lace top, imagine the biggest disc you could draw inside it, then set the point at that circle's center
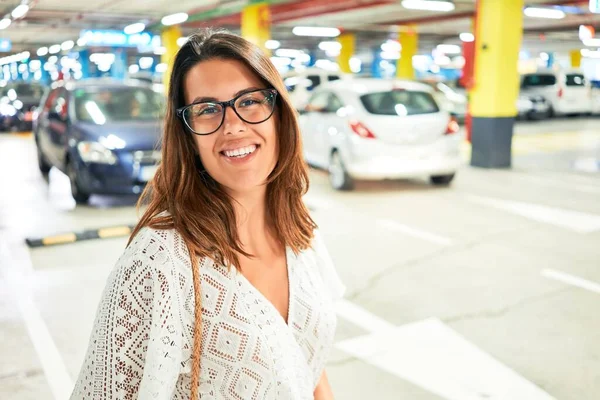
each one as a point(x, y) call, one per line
point(141, 342)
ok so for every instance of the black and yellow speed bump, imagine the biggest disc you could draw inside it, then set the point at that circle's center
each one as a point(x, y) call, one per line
point(72, 237)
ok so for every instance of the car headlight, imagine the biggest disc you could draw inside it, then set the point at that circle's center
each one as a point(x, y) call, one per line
point(8, 110)
point(94, 152)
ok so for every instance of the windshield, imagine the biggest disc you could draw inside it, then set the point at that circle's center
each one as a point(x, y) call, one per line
point(399, 102)
point(538, 80)
point(118, 104)
point(25, 90)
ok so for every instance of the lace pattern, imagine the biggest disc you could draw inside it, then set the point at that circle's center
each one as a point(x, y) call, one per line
point(141, 342)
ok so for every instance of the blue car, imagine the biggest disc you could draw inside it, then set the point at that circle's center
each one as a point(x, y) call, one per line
point(103, 134)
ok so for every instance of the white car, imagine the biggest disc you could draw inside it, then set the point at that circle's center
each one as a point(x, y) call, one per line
point(449, 99)
point(379, 129)
point(300, 84)
point(568, 92)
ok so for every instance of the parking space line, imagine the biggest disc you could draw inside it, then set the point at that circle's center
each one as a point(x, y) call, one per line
point(14, 265)
point(433, 356)
point(576, 221)
point(571, 280)
point(414, 232)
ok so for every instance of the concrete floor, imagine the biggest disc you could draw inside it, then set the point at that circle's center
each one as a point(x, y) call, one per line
point(488, 289)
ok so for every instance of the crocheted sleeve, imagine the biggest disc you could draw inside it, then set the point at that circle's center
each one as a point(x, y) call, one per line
point(135, 346)
point(330, 278)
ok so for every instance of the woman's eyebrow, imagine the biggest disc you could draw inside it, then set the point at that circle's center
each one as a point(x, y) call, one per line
point(214, 99)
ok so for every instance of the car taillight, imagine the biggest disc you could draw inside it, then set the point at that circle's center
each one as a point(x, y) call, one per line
point(452, 127)
point(361, 130)
point(560, 93)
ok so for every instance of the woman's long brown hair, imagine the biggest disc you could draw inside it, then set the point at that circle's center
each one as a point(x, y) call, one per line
point(196, 206)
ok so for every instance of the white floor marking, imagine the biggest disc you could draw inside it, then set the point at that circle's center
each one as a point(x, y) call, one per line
point(319, 203)
point(14, 264)
point(431, 355)
point(414, 232)
point(574, 220)
point(361, 317)
point(571, 280)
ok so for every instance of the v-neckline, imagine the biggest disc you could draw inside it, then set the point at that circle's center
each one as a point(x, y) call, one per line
point(288, 259)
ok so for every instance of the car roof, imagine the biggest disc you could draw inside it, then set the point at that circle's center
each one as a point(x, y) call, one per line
point(361, 86)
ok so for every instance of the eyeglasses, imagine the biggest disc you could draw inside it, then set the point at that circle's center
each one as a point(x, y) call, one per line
point(206, 117)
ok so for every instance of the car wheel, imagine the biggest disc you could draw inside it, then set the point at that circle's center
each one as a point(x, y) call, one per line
point(43, 165)
point(80, 196)
point(338, 176)
point(442, 180)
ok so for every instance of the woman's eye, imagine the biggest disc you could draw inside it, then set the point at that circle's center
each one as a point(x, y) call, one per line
point(206, 111)
point(249, 102)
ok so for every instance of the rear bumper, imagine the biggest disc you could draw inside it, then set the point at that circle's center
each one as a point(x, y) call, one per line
point(379, 161)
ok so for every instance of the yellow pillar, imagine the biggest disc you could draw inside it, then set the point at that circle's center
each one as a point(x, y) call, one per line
point(347, 40)
point(256, 25)
point(499, 30)
point(409, 41)
point(168, 39)
point(575, 58)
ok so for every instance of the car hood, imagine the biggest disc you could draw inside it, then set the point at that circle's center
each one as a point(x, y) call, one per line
point(130, 135)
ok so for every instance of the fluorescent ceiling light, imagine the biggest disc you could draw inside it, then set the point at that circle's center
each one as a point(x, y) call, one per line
point(42, 51)
point(315, 31)
point(19, 11)
point(160, 50)
point(592, 42)
point(330, 46)
point(5, 23)
point(81, 41)
point(146, 62)
point(162, 67)
point(449, 48)
point(386, 55)
point(174, 19)
point(181, 41)
point(549, 13)
point(272, 44)
point(54, 49)
point(68, 45)
point(134, 28)
point(428, 5)
point(467, 37)
point(391, 46)
point(134, 69)
point(291, 53)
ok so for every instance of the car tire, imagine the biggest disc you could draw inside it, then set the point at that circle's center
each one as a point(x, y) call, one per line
point(43, 164)
point(80, 196)
point(338, 175)
point(442, 180)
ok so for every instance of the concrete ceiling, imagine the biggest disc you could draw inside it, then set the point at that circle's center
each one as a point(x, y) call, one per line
point(54, 21)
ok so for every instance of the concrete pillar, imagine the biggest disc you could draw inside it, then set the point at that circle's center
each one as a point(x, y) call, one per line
point(119, 67)
point(575, 58)
point(84, 60)
point(347, 40)
point(256, 25)
point(409, 41)
point(169, 41)
point(499, 30)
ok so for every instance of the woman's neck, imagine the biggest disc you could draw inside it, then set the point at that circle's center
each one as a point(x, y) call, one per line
point(253, 221)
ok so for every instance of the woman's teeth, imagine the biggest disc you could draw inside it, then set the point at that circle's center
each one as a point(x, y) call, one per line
point(241, 152)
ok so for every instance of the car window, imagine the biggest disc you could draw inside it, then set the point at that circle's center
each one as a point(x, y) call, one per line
point(538, 80)
point(319, 102)
point(575, 80)
point(99, 105)
point(334, 103)
point(315, 80)
point(399, 102)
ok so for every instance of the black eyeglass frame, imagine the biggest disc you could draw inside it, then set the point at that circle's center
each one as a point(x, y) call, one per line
point(229, 103)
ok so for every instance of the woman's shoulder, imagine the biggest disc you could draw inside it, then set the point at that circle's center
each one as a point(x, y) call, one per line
point(164, 248)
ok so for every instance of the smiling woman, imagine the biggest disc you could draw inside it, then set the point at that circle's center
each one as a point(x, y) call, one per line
point(226, 289)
